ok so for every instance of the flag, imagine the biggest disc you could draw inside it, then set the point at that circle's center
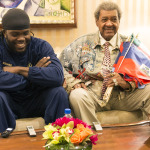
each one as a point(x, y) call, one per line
point(133, 62)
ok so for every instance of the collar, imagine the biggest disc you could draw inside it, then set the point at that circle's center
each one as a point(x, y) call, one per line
point(114, 42)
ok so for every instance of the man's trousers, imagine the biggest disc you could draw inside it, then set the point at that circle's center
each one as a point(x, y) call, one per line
point(85, 104)
point(49, 104)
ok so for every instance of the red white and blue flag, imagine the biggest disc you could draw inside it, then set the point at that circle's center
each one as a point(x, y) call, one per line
point(133, 62)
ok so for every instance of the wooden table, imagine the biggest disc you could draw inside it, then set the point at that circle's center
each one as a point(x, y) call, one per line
point(118, 137)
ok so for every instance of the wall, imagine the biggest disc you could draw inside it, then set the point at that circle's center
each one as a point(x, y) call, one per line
point(135, 19)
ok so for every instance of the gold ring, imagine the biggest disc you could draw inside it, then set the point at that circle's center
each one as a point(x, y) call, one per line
point(115, 81)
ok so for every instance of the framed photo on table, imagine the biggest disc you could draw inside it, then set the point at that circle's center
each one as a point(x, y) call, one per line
point(47, 13)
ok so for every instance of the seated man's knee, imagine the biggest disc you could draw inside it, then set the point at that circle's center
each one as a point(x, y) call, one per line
point(77, 95)
point(57, 90)
point(61, 91)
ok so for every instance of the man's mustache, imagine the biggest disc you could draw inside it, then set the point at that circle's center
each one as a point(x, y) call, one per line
point(109, 28)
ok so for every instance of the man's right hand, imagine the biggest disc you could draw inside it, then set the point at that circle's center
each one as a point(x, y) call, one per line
point(79, 85)
point(44, 62)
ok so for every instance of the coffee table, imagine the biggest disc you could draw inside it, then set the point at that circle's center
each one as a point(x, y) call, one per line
point(113, 137)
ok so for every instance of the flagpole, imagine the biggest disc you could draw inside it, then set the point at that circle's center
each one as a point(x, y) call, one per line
point(126, 53)
point(108, 91)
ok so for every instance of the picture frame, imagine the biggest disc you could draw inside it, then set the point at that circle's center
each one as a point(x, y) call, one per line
point(49, 13)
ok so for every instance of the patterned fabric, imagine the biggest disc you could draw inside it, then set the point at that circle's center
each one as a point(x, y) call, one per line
point(83, 60)
point(105, 70)
point(134, 63)
point(106, 60)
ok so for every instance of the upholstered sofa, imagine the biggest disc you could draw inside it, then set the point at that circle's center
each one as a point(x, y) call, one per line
point(105, 117)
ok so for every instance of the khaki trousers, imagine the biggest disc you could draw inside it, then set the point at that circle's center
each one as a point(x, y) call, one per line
point(85, 104)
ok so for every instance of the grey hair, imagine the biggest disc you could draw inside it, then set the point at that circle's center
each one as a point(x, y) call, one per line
point(107, 6)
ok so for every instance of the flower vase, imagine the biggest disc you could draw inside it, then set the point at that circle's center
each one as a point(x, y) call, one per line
point(66, 147)
point(58, 147)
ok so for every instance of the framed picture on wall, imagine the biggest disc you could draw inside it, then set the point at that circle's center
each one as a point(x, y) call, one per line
point(48, 13)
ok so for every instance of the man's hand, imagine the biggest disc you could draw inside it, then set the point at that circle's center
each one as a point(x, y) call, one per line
point(44, 62)
point(11, 69)
point(116, 80)
point(17, 70)
point(79, 85)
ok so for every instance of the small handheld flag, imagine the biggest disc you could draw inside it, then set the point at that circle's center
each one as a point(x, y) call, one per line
point(133, 62)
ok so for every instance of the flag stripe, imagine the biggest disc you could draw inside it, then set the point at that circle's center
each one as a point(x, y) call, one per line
point(135, 65)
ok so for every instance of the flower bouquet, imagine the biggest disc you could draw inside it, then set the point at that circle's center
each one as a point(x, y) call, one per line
point(68, 134)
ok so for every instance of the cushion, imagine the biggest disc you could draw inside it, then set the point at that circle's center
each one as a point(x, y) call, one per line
point(37, 123)
point(117, 116)
point(105, 117)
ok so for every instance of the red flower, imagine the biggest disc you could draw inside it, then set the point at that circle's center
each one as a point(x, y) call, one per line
point(61, 121)
point(94, 138)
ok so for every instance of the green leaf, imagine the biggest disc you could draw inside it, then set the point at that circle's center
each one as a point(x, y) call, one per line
point(55, 142)
point(63, 126)
point(70, 124)
point(47, 135)
point(76, 130)
point(49, 127)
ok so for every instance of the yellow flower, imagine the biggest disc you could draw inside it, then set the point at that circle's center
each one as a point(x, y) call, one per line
point(49, 130)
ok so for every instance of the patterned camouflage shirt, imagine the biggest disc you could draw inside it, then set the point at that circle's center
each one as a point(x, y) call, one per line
point(82, 60)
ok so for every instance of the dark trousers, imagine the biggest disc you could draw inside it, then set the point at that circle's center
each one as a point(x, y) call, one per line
point(49, 104)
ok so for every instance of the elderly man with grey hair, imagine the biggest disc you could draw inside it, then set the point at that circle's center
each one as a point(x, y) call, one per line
point(84, 62)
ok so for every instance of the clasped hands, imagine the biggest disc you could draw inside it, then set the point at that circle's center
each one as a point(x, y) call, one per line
point(114, 79)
